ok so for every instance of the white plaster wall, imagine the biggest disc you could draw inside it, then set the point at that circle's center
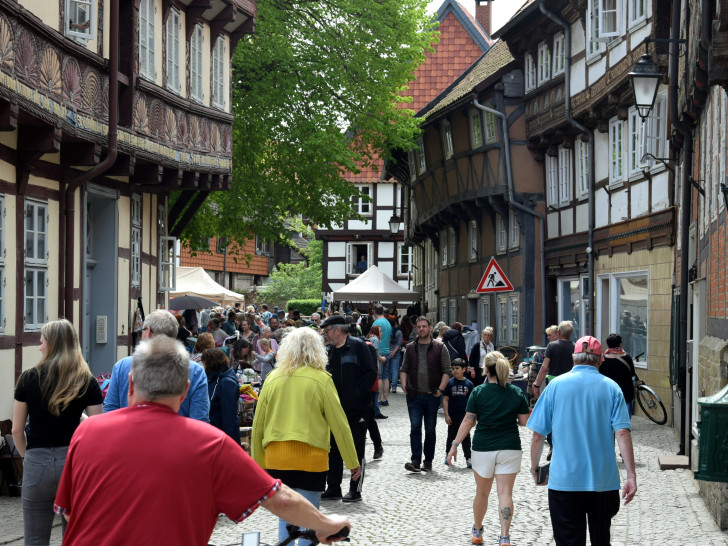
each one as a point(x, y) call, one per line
point(601, 156)
point(578, 38)
point(567, 222)
point(7, 383)
point(387, 267)
point(49, 14)
point(617, 52)
point(385, 195)
point(578, 77)
point(660, 191)
point(639, 35)
point(358, 224)
point(601, 217)
point(386, 250)
point(582, 217)
point(640, 197)
point(336, 270)
point(383, 217)
point(337, 249)
point(552, 224)
point(619, 206)
point(403, 284)
point(597, 69)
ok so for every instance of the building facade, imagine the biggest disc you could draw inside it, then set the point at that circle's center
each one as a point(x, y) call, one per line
point(105, 108)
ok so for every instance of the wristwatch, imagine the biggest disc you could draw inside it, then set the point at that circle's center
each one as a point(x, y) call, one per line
point(455, 444)
point(439, 390)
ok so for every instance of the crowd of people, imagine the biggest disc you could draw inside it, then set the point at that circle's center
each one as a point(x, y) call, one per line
point(324, 383)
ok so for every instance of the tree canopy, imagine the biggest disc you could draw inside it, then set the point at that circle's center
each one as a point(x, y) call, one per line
point(296, 281)
point(317, 92)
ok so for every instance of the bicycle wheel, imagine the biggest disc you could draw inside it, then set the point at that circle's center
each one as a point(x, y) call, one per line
point(511, 353)
point(651, 405)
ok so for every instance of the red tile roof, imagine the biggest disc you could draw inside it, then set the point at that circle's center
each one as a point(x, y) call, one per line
point(235, 263)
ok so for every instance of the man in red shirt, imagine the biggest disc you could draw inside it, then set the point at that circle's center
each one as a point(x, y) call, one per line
point(145, 475)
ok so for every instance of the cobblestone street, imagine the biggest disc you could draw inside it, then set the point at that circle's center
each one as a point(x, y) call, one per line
point(435, 508)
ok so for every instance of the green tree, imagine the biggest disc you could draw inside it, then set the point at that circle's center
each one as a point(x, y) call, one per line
point(296, 281)
point(317, 92)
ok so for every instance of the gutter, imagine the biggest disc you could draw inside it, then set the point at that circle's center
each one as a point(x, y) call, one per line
point(70, 188)
point(590, 135)
point(513, 203)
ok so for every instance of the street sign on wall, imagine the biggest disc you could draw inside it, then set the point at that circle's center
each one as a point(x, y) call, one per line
point(494, 280)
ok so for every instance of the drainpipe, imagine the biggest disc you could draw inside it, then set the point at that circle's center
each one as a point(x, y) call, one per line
point(590, 135)
point(685, 375)
point(71, 187)
point(515, 204)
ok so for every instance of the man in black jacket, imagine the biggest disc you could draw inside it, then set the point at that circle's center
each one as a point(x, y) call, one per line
point(354, 371)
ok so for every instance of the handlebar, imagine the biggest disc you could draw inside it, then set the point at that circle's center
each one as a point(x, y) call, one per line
point(295, 532)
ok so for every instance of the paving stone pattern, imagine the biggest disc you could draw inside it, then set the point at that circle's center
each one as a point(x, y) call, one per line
point(436, 508)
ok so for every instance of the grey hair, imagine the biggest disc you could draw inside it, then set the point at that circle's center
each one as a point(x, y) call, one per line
point(162, 323)
point(315, 315)
point(566, 328)
point(160, 368)
point(265, 329)
point(587, 358)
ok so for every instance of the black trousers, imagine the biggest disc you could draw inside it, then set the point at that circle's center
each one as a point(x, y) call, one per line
point(358, 426)
point(452, 432)
point(571, 511)
point(372, 426)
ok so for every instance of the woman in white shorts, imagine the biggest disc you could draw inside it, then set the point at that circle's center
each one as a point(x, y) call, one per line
point(498, 408)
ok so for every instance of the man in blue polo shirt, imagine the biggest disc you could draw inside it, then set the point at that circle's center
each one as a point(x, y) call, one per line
point(584, 410)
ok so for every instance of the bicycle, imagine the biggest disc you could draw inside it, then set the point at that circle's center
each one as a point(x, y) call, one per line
point(252, 538)
point(650, 403)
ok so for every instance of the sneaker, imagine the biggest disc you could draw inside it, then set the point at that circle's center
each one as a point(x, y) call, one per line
point(383, 403)
point(331, 495)
point(381, 416)
point(394, 390)
point(352, 496)
point(446, 463)
point(427, 466)
point(468, 463)
point(504, 541)
point(378, 453)
point(476, 535)
point(412, 467)
point(441, 410)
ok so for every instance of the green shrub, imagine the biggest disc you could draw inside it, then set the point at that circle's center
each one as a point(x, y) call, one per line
point(306, 307)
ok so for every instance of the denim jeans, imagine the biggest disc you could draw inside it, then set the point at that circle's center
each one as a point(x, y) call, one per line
point(42, 471)
point(394, 364)
point(314, 497)
point(422, 407)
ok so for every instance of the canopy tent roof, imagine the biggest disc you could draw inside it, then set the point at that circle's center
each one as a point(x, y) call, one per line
point(194, 281)
point(374, 285)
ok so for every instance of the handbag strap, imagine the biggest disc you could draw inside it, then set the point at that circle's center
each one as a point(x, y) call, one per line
point(215, 389)
point(624, 362)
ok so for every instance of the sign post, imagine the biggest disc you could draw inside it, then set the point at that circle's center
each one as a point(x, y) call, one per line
point(494, 280)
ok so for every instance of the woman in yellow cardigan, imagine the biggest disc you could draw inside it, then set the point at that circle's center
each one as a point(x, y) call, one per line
point(296, 414)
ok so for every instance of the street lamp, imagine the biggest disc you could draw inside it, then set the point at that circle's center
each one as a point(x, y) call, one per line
point(394, 222)
point(645, 77)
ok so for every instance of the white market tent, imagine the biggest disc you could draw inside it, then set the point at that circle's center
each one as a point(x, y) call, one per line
point(194, 281)
point(374, 285)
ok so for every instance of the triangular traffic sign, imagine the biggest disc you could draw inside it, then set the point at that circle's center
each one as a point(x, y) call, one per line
point(494, 280)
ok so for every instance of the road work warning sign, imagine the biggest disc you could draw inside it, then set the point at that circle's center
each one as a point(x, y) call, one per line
point(494, 280)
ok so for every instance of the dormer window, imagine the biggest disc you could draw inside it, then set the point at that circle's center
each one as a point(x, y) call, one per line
point(80, 19)
point(544, 63)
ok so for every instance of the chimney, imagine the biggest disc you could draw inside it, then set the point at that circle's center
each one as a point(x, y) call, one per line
point(483, 15)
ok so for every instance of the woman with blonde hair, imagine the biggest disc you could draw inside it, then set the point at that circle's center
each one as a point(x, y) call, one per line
point(296, 414)
point(498, 408)
point(477, 356)
point(204, 341)
point(54, 393)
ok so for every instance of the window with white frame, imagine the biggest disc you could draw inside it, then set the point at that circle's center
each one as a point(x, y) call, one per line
point(196, 57)
point(565, 176)
point(446, 135)
point(559, 54)
point(218, 73)
point(359, 257)
point(80, 19)
point(473, 240)
point(654, 131)
point(595, 45)
point(514, 233)
point(412, 165)
point(147, 45)
point(453, 316)
point(452, 246)
point(514, 317)
point(491, 134)
point(36, 265)
point(501, 235)
point(162, 219)
point(136, 240)
point(362, 202)
point(508, 317)
point(262, 246)
point(634, 146)
point(404, 264)
point(616, 151)
point(609, 18)
point(637, 11)
point(167, 263)
point(173, 50)
point(483, 313)
point(552, 180)
point(421, 160)
point(443, 248)
point(2, 263)
point(476, 129)
point(544, 63)
point(582, 166)
point(530, 73)
point(443, 309)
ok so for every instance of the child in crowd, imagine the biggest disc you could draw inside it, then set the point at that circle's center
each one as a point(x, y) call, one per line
point(454, 402)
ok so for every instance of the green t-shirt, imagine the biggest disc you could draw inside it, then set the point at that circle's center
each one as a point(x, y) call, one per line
point(497, 409)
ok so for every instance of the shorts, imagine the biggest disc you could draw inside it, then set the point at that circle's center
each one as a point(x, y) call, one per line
point(384, 368)
point(488, 463)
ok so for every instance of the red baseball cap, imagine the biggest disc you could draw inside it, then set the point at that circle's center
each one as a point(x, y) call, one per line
point(588, 344)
